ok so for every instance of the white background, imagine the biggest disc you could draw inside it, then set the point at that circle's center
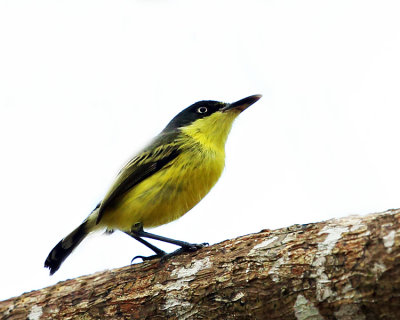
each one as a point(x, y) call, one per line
point(85, 84)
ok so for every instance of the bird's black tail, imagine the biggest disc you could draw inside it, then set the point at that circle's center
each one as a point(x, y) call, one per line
point(64, 248)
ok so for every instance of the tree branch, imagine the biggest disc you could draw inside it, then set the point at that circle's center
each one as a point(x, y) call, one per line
point(346, 269)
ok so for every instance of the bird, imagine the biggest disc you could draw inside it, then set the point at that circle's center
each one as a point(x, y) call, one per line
point(163, 181)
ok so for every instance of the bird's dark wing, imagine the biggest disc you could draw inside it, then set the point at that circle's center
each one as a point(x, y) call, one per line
point(147, 163)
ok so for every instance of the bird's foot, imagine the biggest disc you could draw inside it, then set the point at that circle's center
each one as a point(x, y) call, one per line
point(154, 256)
point(191, 247)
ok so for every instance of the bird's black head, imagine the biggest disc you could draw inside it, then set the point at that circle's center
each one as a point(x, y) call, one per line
point(194, 112)
point(206, 108)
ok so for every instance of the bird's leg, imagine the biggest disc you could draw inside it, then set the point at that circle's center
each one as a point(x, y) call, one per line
point(158, 252)
point(137, 233)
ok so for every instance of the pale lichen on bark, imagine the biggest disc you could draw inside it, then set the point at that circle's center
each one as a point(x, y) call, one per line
point(305, 310)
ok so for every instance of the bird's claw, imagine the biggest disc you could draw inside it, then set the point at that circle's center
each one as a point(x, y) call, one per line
point(155, 256)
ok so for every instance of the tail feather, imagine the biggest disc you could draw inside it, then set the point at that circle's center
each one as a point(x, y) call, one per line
point(64, 248)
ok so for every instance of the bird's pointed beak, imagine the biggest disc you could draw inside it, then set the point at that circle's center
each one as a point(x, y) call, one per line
point(243, 103)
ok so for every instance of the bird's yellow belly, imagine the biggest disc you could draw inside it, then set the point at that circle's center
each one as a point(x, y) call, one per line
point(169, 193)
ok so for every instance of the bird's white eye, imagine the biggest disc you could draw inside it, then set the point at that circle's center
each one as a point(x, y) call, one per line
point(202, 110)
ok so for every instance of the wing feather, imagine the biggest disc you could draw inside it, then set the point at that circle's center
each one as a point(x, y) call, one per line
point(147, 163)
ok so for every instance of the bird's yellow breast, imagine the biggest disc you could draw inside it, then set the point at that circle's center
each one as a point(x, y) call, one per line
point(169, 193)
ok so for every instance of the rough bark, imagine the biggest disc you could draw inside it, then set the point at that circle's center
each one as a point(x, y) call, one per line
point(346, 269)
